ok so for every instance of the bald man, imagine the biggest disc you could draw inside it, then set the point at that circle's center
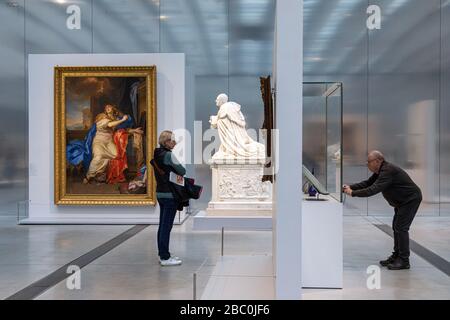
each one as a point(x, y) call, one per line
point(401, 193)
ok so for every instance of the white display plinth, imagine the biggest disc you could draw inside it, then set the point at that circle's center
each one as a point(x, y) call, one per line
point(322, 249)
point(322, 239)
point(237, 189)
point(204, 222)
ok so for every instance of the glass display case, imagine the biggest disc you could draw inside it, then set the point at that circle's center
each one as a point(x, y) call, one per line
point(322, 138)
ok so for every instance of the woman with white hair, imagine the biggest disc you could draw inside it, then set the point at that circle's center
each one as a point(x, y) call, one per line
point(166, 162)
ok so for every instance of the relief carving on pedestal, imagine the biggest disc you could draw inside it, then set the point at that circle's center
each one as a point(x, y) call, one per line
point(239, 184)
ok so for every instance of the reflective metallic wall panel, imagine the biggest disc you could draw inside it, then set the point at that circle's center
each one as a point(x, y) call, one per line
point(335, 50)
point(250, 47)
point(228, 45)
point(47, 31)
point(13, 119)
point(445, 112)
point(125, 26)
point(404, 80)
point(396, 82)
point(200, 30)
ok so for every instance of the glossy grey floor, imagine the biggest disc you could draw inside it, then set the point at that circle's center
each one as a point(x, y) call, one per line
point(131, 270)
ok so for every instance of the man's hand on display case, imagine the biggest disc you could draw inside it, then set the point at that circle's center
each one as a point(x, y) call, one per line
point(347, 190)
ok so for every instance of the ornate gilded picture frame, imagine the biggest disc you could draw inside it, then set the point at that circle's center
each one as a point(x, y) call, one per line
point(105, 132)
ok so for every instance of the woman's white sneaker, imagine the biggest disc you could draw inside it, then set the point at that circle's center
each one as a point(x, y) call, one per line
point(170, 262)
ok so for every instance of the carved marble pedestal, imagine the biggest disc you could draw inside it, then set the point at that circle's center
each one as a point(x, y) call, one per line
point(237, 189)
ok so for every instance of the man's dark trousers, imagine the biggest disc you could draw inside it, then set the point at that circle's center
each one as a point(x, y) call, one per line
point(403, 218)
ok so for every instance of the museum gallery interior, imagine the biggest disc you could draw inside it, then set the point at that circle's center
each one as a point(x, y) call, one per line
point(225, 150)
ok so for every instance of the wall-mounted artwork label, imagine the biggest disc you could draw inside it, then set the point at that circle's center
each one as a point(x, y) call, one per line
point(73, 22)
point(374, 19)
point(105, 128)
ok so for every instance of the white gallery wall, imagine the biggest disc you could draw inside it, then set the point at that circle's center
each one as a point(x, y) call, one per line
point(170, 115)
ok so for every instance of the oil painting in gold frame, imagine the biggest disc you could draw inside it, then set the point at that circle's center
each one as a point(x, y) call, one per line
point(105, 130)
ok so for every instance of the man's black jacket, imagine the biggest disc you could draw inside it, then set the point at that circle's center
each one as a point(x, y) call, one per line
point(395, 184)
